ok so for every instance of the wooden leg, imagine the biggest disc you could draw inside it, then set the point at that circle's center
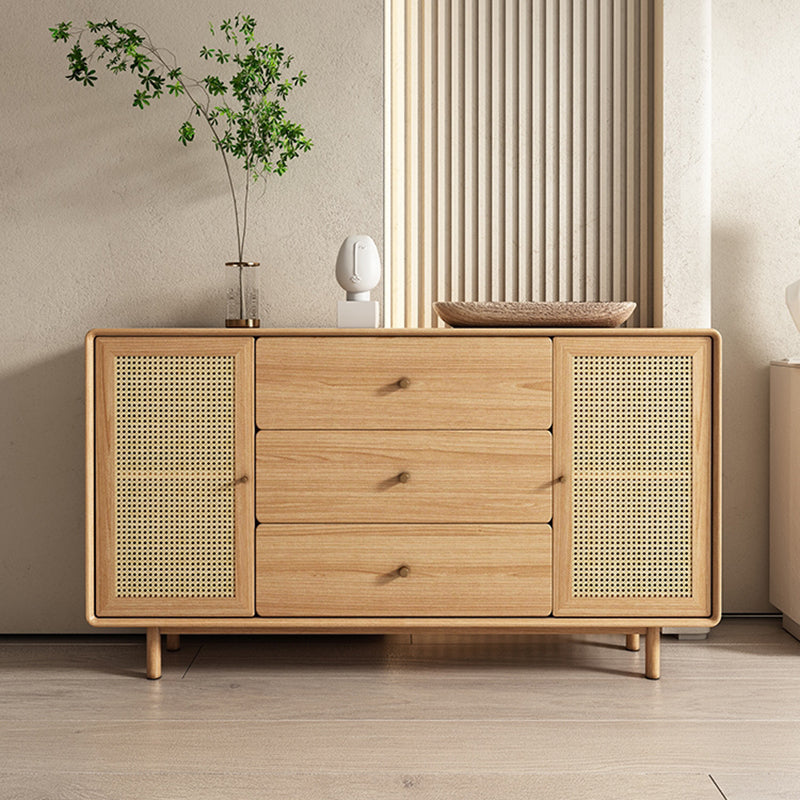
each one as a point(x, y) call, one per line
point(173, 641)
point(632, 641)
point(652, 657)
point(153, 653)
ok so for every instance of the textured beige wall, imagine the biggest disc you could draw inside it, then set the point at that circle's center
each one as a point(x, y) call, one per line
point(755, 215)
point(107, 221)
point(687, 164)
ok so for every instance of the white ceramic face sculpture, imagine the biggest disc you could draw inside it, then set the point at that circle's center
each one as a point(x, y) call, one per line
point(358, 266)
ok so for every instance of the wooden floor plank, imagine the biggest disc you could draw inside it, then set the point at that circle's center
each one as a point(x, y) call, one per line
point(767, 785)
point(361, 786)
point(417, 746)
point(399, 695)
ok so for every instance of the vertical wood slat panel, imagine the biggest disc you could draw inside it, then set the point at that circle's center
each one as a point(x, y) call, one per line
point(413, 266)
point(521, 149)
point(579, 48)
point(471, 227)
point(444, 211)
point(457, 163)
point(525, 153)
point(551, 170)
point(539, 100)
point(606, 152)
point(632, 152)
point(592, 155)
point(496, 282)
point(565, 150)
point(510, 283)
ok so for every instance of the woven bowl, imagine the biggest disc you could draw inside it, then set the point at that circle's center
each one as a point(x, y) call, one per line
point(534, 315)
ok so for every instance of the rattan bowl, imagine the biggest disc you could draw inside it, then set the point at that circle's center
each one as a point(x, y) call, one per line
point(534, 315)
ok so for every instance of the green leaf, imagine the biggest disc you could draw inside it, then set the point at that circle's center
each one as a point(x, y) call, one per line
point(141, 99)
point(152, 81)
point(175, 89)
point(186, 133)
point(140, 60)
point(61, 31)
point(214, 85)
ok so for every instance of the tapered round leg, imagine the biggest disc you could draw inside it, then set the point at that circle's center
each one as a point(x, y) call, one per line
point(652, 658)
point(153, 653)
point(173, 642)
point(632, 641)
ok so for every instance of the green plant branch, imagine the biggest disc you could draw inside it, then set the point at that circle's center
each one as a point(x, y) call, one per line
point(244, 120)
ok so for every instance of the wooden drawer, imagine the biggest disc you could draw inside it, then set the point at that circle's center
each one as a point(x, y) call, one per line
point(355, 571)
point(332, 382)
point(356, 476)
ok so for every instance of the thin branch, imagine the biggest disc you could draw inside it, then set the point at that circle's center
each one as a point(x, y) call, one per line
point(244, 215)
point(148, 45)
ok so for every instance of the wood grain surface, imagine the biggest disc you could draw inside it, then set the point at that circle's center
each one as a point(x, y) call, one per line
point(452, 383)
point(354, 476)
point(403, 570)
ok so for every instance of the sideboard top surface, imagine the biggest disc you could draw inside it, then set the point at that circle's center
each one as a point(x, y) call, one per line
point(525, 332)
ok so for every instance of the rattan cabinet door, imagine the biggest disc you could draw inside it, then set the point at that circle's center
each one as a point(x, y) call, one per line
point(174, 517)
point(632, 462)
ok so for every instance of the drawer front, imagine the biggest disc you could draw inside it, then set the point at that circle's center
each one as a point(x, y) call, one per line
point(403, 476)
point(403, 571)
point(407, 382)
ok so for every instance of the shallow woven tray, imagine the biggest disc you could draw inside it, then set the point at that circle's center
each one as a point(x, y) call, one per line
point(534, 315)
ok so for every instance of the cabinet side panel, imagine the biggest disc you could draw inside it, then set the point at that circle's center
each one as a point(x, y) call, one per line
point(105, 478)
point(89, 555)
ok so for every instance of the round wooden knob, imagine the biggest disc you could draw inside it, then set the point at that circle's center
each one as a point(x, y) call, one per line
point(404, 383)
point(404, 477)
point(403, 571)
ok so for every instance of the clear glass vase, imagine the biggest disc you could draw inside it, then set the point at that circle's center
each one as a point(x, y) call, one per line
point(241, 292)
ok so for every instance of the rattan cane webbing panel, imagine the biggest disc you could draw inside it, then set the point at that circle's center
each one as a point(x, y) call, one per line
point(632, 461)
point(175, 476)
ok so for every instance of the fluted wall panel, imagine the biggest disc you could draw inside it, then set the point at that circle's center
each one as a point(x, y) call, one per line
point(521, 149)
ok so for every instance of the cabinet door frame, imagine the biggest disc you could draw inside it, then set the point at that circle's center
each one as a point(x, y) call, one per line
point(704, 582)
point(101, 471)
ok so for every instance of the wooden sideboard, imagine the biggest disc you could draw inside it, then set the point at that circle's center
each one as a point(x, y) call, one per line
point(401, 480)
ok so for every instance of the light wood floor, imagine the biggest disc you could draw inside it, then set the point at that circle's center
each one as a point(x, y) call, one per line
point(429, 717)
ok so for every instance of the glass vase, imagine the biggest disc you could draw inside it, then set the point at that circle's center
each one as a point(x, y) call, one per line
point(241, 292)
